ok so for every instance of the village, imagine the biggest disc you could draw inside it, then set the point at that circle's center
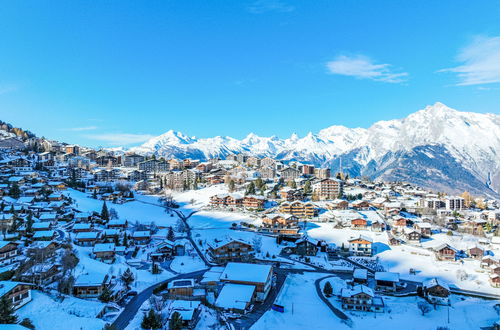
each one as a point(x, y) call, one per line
point(96, 239)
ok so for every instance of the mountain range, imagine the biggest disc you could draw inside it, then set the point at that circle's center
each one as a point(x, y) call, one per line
point(438, 148)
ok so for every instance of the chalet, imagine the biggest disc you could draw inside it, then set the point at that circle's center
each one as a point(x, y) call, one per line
point(412, 235)
point(19, 293)
point(299, 209)
point(164, 251)
point(82, 227)
point(359, 223)
point(378, 225)
point(228, 249)
point(394, 240)
point(88, 238)
point(306, 246)
point(44, 273)
point(280, 221)
point(445, 252)
point(90, 285)
point(360, 205)
point(179, 289)
point(495, 280)
point(46, 248)
point(424, 228)
point(117, 224)
point(337, 204)
point(487, 261)
point(234, 200)
point(436, 291)
point(141, 237)
point(219, 200)
point(360, 246)
point(475, 252)
point(8, 253)
point(45, 235)
point(110, 235)
point(361, 298)
point(254, 201)
point(104, 251)
point(289, 194)
point(257, 275)
point(386, 281)
point(360, 276)
point(236, 298)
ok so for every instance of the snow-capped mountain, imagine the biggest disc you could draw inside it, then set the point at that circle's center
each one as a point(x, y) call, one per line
point(454, 150)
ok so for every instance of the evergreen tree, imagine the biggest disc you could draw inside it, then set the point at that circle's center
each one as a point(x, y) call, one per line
point(171, 234)
point(104, 212)
point(14, 191)
point(26, 322)
point(106, 295)
point(231, 185)
point(127, 277)
point(292, 184)
point(259, 183)
point(328, 290)
point(175, 322)
point(151, 320)
point(307, 188)
point(94, 194)
point(7, 315)
point(29, 224)
point(131, 195)
point(125, 240)
point(250, 189)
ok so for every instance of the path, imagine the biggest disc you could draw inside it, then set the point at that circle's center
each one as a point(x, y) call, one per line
point(335, 311)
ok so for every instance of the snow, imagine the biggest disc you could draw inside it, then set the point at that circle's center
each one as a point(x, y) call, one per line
point(235, 296)
point(187, 264)
point(71, 313)
point(244, 272)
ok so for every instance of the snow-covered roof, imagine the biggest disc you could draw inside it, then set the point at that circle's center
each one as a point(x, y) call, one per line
point(387, 276)
point(182, 283)
point(94, 279)
point(434, 282)
point(43, 233)
point(104, 247)
point(235, 296)
point(87, 235)
point(7, 286)
point(360, 273)
point(357, 289)
point(244, 272)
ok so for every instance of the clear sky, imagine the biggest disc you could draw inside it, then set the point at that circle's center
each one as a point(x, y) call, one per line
point(116, 72)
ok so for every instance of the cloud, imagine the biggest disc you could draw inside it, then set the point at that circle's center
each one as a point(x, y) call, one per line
point(362, 67)
point(120, 138)
point(263, 6)
point(480, 62)
point(80, 129)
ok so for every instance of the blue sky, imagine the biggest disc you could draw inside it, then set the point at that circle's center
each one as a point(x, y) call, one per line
point(117, 72)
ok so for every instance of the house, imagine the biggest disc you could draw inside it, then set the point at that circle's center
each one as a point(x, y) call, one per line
point(19, 293)
point(289, 194)
point(82, 227)
point(45, 235)
point(228, 249)
point(117, 224)
point(141, 237)
point(164, 251)
point(360, 205)
point(359, 223)
point(290, 173)
point(90, 285)
point(8, 252)
point(257, 275)
point(180, 288)
point(412, 235)
point(360, 276)
point(424, 228)
point(104, 251)
point(361, 298)
point(306, 246)
point(476, 252)
point(235, 297)
point(394, 240)
point(87, 238)
point(487, 261)
point(43, 273)
point(360, 246)
point(386, 281)
point(299, 209)
point(337, 204)
point(436, 291)
point(285, 224)
point(254, 201)
point(495, 280)
point(445, 252)
point(189, 311)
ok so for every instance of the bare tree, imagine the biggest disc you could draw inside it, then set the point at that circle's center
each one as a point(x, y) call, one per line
point(424, 307)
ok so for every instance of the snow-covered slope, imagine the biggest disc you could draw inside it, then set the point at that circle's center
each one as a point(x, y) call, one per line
point(472, 140)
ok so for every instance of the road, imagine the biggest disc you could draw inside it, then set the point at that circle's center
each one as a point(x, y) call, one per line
point(136, 302)
point(335, 310)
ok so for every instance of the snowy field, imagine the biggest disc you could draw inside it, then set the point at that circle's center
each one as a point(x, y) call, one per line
point(71, 314)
